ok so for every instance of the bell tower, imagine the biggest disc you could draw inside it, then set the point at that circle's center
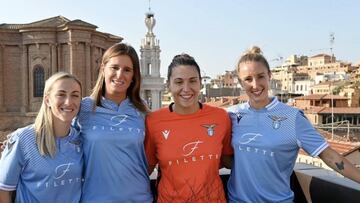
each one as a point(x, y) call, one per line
point(152, 83)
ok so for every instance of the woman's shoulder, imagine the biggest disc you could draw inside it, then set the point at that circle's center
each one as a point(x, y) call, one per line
point(214, 109)
point(87, 101)
point(162, 112)
point(237, 108)
point(24, 134)
point(287, 108)
point(87, 104)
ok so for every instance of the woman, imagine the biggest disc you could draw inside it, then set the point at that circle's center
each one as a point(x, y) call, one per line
point(187, 139)
point(43, 161)
point(266, 137)
point(111, 122)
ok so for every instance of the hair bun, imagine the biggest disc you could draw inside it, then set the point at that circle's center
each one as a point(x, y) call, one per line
point(254, 50)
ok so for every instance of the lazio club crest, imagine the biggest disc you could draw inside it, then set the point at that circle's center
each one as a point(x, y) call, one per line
point(210, 128)
point(276, 121)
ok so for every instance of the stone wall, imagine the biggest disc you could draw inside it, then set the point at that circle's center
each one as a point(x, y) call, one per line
point(10, 122)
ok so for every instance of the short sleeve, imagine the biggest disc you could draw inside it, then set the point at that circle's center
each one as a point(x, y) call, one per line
point(307, 136)
point(11, 163)
point(149, 143)
point(227, 148)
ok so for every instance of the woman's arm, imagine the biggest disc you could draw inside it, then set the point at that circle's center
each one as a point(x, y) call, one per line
point(340, 164)
point(5, 196)
point(226, 161)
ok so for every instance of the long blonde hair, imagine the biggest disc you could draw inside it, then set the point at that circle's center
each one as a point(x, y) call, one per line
point(133, 92)
point(44, 126)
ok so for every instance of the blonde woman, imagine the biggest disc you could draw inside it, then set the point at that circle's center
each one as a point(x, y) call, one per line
point(266, 137)
point(43, 161)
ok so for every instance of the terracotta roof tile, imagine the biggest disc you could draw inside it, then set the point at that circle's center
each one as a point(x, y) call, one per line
point(340, 110)
point(311, 97)
point(337, 97)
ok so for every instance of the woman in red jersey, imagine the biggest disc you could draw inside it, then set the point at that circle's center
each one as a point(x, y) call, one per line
point(187, 139)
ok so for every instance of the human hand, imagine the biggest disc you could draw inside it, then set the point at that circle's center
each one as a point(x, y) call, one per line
point(3, 143)
point(2, 146)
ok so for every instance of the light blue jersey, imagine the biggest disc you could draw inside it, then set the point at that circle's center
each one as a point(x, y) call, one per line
point(115, 161)
point(266, 143)
point(39, 178)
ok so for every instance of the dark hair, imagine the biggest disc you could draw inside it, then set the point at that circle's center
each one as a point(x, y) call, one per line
point(182, 59)
point(253, 55)
point(133, 92)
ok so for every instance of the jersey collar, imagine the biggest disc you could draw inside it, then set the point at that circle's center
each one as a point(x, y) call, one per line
point(271, 105)
point(107, 103)
point(171, 108)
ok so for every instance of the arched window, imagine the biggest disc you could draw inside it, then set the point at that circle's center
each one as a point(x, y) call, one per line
point(39, 81)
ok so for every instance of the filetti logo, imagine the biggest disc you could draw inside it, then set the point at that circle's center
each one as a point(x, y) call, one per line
point(119, 119)
point(245, 145)
point(61, 170)
point(190, 147)
point(189, 155)
point(249, 137)
point(61, 178)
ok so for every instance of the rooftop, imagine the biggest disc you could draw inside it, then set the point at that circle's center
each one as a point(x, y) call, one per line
point(320, 55)
point(320, 97)
point(57, 22)
point(53, 22)
point(335, 110)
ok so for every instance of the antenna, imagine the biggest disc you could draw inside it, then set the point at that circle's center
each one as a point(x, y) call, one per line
point(149, 6)
point(331, 40)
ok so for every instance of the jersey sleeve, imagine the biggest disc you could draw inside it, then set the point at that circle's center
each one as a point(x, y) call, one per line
point(227, 148)
point(11, 163)
point(149, 143)
point(308, 137)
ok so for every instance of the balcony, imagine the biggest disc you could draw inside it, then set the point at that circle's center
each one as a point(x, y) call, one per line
point(313, 184)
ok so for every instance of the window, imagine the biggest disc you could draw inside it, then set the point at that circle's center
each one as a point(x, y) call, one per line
point(148, 69)
point(39, 81)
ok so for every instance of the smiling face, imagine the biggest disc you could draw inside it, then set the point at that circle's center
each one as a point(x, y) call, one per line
point(118, 73)
point(255, 79)
point(64, 100)
point(184, 85)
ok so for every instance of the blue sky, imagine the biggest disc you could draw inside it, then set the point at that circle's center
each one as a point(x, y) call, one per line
point(214, 32)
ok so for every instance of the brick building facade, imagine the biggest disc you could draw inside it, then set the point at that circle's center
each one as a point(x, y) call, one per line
point(30, 53)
